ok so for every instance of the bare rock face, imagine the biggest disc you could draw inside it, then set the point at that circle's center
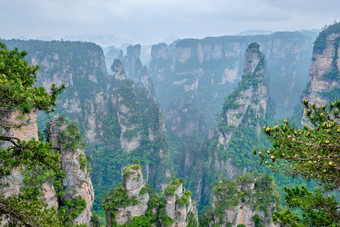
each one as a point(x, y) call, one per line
point(204, 71)
point(11, 184)
point(252, 94)
point(245, 107)
point(243, 214)
point(133, 184)
point(179, 205)
point(49, 195)
point(132, 63)
point(184, 118)
point(109, 110)
point(73, 162)
point(325, 67)
point(246, 201)
point(130, 200)
point(78, 65)
point(23, 127)
point(118, 69)
point(125, 113)
point(243, 113)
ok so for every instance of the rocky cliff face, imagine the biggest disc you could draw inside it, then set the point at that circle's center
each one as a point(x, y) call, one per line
point(141, 126)
point(203, 72)
point(77, 183)
point(81, 67)
point(247, 200)
point(248, 104)
point(118, 70)
point(179, 124)
point(120, 120)
point(24, 129)
point(179, 205)
point(132, 63)
point(324, 69)
point(130, 203)
point(133, 185)
point(135, 70)
point(227, 152)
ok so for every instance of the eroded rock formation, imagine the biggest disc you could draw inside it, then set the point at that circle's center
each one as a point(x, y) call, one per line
point(248, 104)
point(227, 152)
point(130, 203)
point(203, 71)
point(324, 70)
point(73, 161)
point(114, 114)
point(133, 185)
point(179, 205)
point(247, 200)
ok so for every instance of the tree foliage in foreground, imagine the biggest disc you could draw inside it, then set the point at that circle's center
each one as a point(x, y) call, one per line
point(312, 152)
point(18, 94)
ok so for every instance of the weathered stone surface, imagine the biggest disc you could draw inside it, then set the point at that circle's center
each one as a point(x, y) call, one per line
point(178, 212)
point(244, 212)
point(77, 181)
point(92, 100)
point(204, 71)
point(18, 125)
point(181, 126)
point(133, 183)
point(132, 63)
point(24, 127)
point(321, 64)
point(118, 69)
point(252, 99)
point(49, 195)
point(11, 185)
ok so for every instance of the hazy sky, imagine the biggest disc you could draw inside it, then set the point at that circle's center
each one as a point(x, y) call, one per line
point(150, 21)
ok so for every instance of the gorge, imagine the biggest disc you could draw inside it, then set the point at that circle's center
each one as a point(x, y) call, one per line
point(171, 144)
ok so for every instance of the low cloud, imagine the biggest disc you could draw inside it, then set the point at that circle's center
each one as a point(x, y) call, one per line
point(153, 20)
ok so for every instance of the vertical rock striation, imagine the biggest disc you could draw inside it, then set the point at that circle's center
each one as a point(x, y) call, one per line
point(248, 200)
point(248, 104)
point(24, 127)
point(130, 203)
point(81, 67)
point(132, 63)
point(137, 198)
point(324, 70)
point(179, 205)
point(228, 152)
point(77, 182)
point(120, 120)
point(203, 71)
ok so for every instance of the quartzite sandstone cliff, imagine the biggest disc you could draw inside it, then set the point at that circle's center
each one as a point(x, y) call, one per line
point(324, 70)
point(77, 181)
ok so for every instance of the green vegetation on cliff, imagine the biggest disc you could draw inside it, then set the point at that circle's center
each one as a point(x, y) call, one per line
point(156, 207)
point(143, 126)
point(19, 95)
point(256, 191)
point(321, 42)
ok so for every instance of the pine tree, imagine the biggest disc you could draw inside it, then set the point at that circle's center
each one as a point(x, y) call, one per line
point(312, 152)
point(19, 94)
